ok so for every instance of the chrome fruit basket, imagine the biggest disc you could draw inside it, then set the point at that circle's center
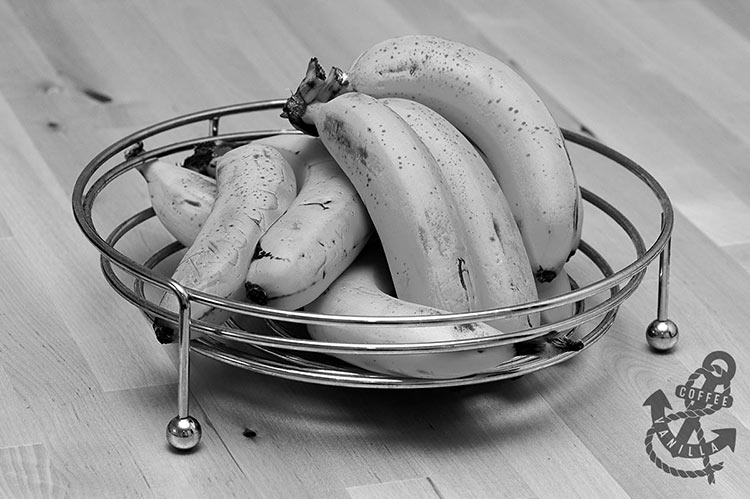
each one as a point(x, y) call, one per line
point(282, 349)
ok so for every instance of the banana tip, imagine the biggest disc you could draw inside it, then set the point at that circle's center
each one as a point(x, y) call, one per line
point(545, 275)
point(541, 346)
point(536, 346)
point(164, 332)
point(566, 344)
point(256, 293)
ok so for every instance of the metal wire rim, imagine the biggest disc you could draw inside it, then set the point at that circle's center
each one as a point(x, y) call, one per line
point(213, 346)
point(135, 296)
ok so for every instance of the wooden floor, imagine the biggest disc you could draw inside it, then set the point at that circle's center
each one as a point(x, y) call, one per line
point(86, 391)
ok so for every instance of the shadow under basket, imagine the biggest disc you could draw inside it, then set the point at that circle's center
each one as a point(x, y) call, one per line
point(282, 347)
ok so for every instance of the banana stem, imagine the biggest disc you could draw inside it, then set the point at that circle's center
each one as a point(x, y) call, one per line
point(315, 87)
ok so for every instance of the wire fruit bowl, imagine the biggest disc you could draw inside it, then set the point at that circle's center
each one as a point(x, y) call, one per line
point(282, 349)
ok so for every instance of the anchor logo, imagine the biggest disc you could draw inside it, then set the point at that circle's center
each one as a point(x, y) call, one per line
point(690, 442)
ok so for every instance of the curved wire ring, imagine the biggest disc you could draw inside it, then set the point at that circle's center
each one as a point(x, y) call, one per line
point(87, 190)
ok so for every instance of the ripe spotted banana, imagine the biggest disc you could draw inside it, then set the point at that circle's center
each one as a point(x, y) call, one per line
point(255, 185)
point(400, 184)
point(321, 233)
point(500, 112)
point(365, 289)
point(502, 273)
point(302, 252)
point(181, 198)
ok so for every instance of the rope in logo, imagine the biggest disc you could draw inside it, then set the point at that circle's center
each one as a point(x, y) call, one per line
point(714, 375)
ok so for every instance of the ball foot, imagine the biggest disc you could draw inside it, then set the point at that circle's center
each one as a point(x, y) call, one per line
point(662, 335)
point(183, 433)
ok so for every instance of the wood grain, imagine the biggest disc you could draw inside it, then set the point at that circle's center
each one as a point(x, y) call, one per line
point(87, 390)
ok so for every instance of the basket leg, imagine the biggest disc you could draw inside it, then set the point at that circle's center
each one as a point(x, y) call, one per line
point(662, 334)
point(183, 431)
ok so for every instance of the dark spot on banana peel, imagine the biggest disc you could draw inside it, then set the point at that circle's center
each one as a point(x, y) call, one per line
point(261, 253)
point(465, 329)
point(192, 202)
point(422, 235)
point(323, 205)
point(496, 228)
point(337, 128)
point(406, 66)
point(398, 68)
point(461, 271)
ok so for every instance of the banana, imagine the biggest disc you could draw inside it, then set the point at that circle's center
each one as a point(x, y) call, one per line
point(255, 185)
point(321, 233)
point(500, 113)
point(181, 198)
point(502, 273)
point(365, 289)
point(301, 253)
point(398, 181)
point(557, 286)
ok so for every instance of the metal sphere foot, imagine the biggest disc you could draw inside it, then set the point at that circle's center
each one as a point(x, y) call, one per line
point(183, 433)
point(662, 335)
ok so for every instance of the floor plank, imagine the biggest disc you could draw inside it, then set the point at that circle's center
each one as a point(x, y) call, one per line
point(53, 255)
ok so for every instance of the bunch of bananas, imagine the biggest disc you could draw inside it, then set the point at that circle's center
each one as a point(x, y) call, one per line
point(429, 178)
